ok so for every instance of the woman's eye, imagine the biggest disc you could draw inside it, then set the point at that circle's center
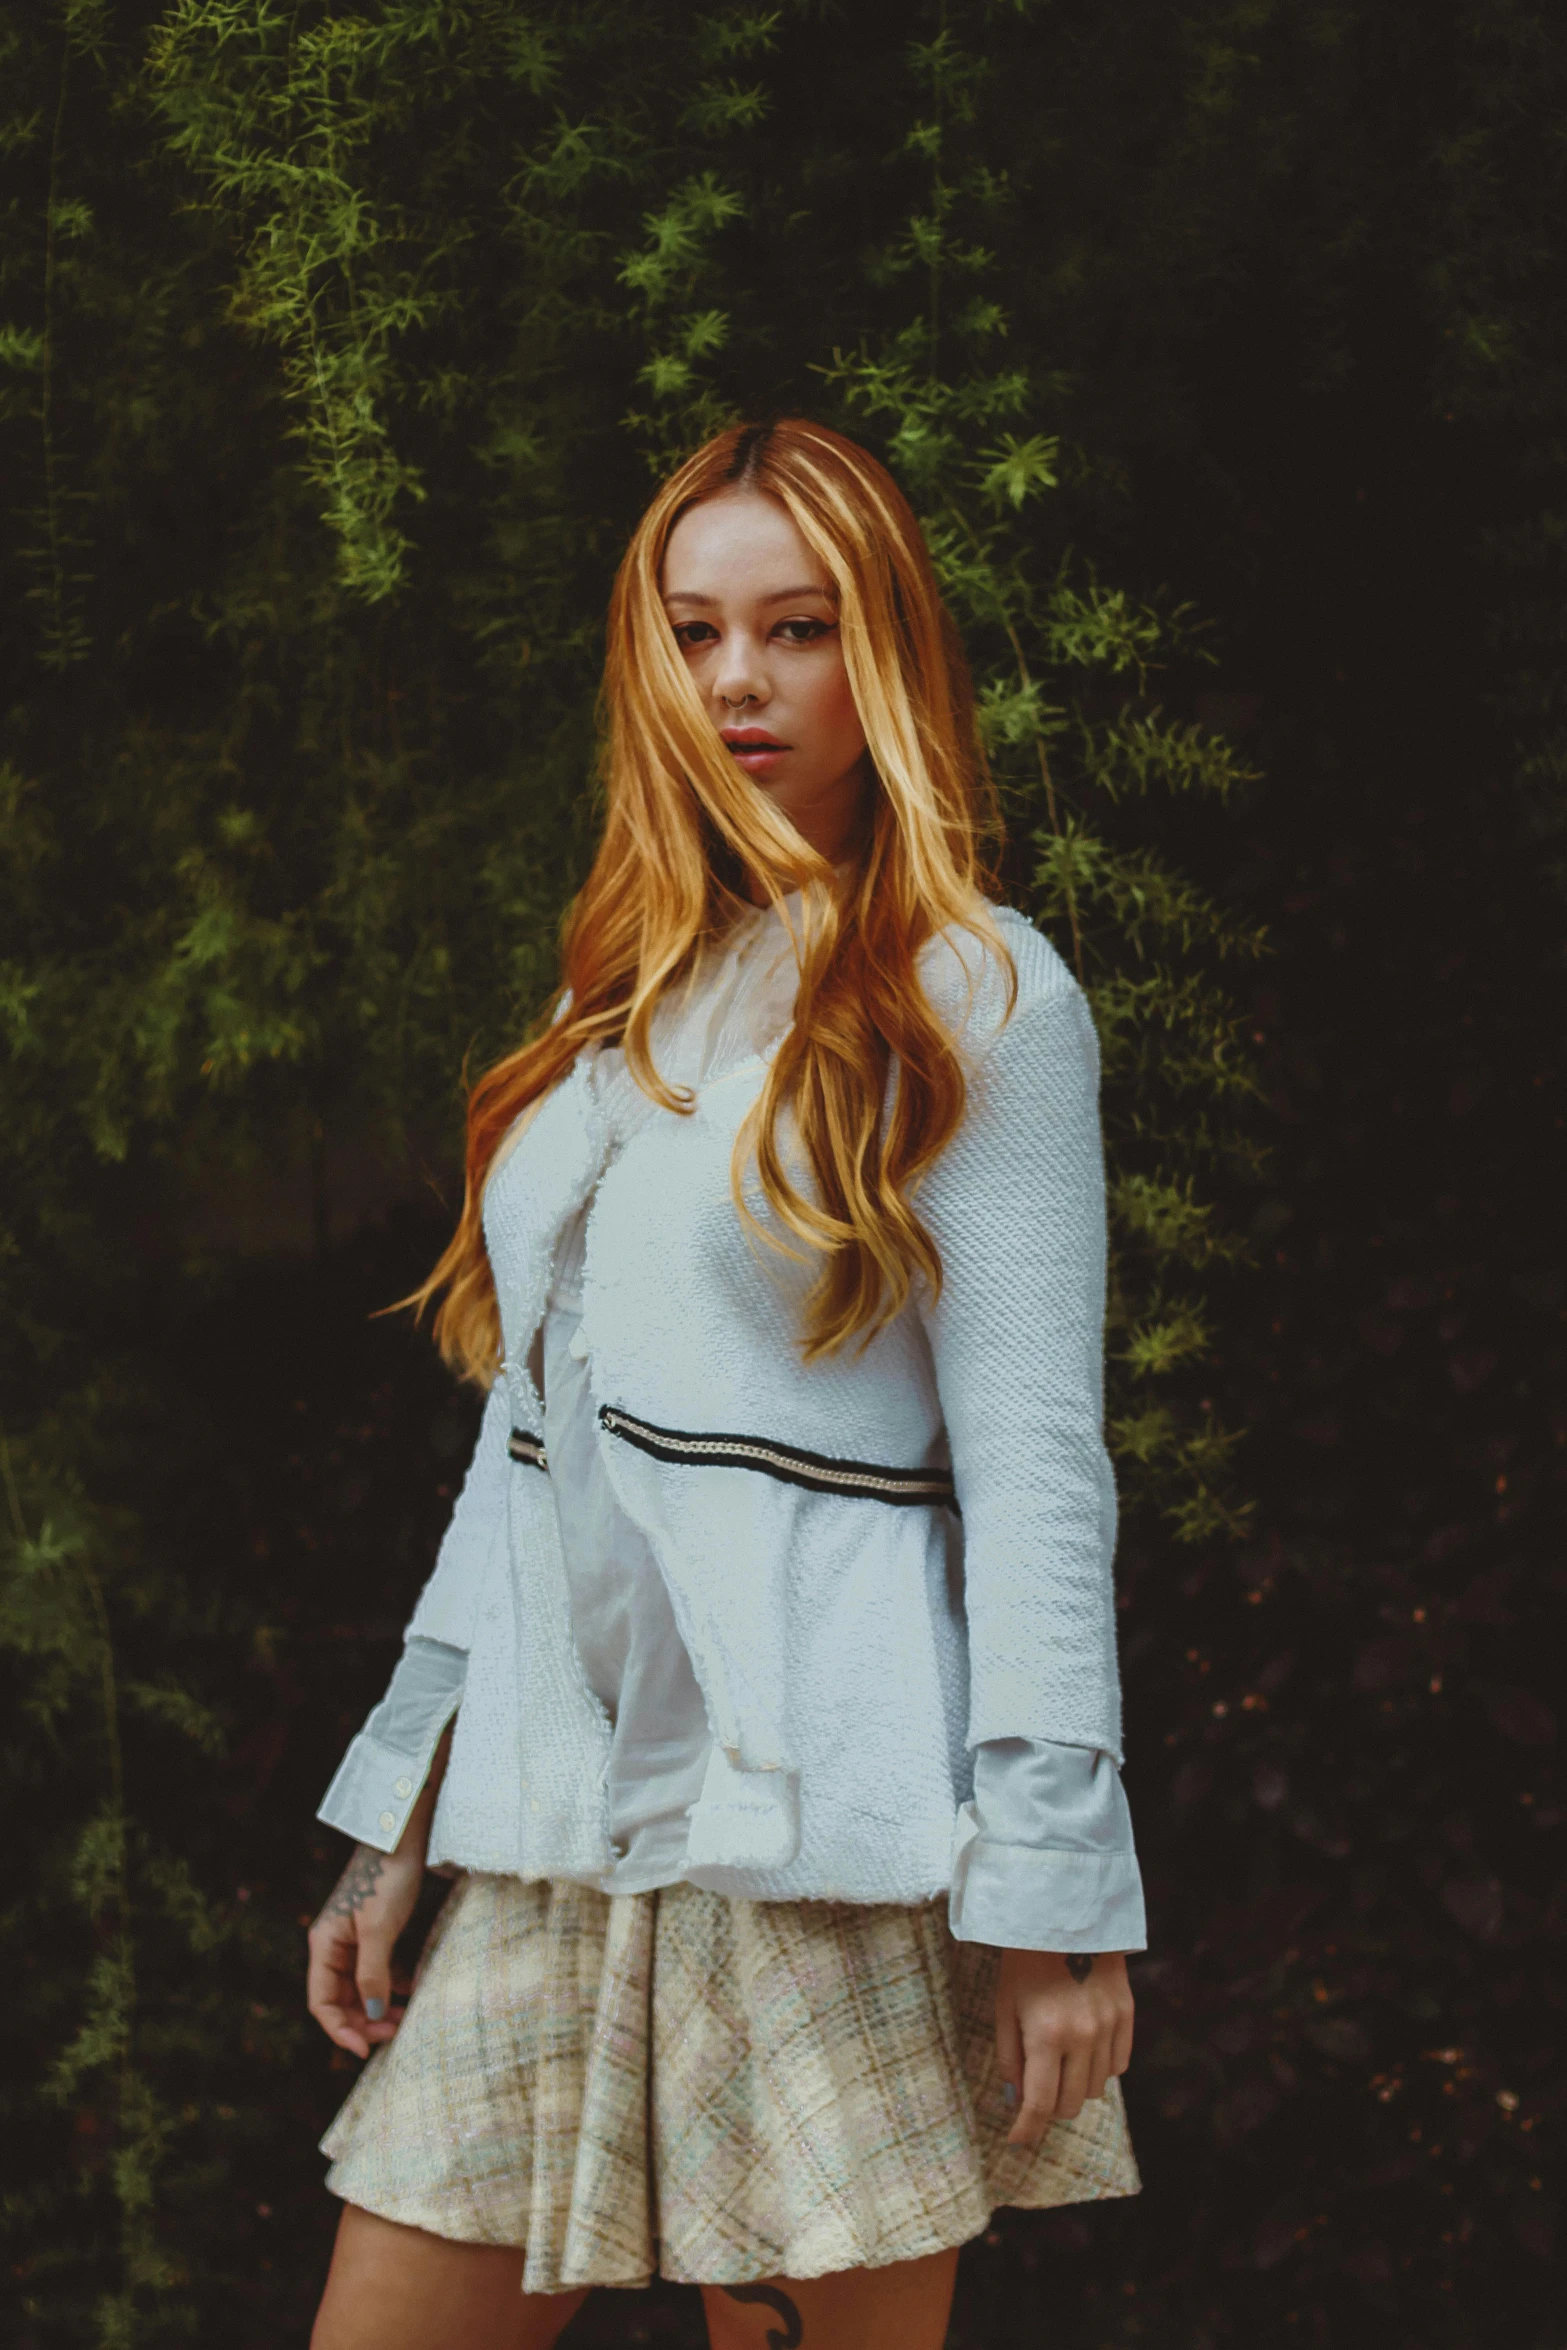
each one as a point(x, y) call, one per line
point(802, 632)
point(695, 632)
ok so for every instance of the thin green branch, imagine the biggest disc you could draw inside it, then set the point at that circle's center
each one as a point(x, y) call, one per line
point(127, 2099)
point(46, 389)
point(1048, 780)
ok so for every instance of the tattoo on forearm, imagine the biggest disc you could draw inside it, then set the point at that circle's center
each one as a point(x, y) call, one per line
point(357, 1882)
point(794, 2333)
point(1079, 1965)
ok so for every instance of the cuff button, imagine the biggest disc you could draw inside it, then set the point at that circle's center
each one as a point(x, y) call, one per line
point(389, 1820)
point(403, 1787)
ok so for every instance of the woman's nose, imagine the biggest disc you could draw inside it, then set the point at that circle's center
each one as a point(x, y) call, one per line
point(739, 674)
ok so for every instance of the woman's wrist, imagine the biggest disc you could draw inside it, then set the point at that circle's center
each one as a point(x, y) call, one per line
point(1079, 1964)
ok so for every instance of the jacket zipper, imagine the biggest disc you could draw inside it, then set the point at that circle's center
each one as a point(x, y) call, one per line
point(816, 1472)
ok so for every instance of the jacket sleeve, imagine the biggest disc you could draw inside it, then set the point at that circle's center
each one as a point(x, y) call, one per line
point(387, 1764)
point(1044, 1858)
point(1016, 1206)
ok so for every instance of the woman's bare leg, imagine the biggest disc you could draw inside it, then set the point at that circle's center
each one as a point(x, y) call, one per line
point(396, 2288)
point(904, 2307)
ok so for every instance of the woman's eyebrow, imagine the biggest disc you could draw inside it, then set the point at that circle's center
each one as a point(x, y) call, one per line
point(788, 595)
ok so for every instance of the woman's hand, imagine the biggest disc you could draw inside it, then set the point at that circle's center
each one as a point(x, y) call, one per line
point(1063, 2028)
point(349, 1983)
point(348, 1987)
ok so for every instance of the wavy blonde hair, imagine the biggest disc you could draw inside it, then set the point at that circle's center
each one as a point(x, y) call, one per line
point(685, 830)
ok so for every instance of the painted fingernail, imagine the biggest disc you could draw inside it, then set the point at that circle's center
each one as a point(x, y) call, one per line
point(1009, 2093)
point(375, 2009)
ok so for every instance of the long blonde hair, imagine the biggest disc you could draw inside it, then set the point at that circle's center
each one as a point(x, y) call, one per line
point(684, 830)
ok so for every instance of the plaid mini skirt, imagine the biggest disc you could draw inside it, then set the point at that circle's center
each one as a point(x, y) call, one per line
point(709, 2090)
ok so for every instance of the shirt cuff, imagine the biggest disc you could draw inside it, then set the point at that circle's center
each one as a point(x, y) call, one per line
point(1017, 1898)
point(1043, 1857)
point(379, 1778)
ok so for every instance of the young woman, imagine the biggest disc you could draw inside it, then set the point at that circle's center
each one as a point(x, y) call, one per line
point(763, 1700)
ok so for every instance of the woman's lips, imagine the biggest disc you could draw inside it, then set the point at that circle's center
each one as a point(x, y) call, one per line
point(756, 753)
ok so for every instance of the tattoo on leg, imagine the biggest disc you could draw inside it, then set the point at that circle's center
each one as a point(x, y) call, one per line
point(357, 1882)
point(1079, 1965)
point(795, 2334)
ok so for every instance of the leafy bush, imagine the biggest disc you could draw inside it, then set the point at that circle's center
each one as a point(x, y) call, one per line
point(338, 348)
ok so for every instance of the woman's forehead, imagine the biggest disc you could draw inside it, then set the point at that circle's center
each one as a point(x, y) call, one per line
point(740, 542)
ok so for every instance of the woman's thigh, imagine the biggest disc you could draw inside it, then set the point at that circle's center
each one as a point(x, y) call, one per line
point(903, 2307)
point(396, 2288)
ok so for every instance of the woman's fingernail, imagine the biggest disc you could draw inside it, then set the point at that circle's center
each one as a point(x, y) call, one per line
point(375, 2009)
point(1009, 2093)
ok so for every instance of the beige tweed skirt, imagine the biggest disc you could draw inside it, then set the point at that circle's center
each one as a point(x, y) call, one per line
point(709, 2090)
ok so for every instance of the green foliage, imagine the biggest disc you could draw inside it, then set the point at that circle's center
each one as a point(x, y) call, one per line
point(323, 122)
point(1065, 751)
point(420, 297)
point(338, 344)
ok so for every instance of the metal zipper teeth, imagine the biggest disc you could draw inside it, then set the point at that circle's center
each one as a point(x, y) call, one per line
point(747, 1452)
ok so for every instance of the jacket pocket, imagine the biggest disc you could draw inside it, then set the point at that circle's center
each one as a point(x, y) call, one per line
point(817, 1472)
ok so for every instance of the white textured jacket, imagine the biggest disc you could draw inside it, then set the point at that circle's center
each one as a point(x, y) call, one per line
point(877, 1562)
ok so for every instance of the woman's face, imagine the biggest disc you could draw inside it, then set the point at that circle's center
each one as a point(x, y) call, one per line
point(754, 614)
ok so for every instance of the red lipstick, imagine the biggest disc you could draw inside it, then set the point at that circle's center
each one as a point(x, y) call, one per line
point(753, 747)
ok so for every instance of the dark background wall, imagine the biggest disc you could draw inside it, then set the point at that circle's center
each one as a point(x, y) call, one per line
point(283, 840)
